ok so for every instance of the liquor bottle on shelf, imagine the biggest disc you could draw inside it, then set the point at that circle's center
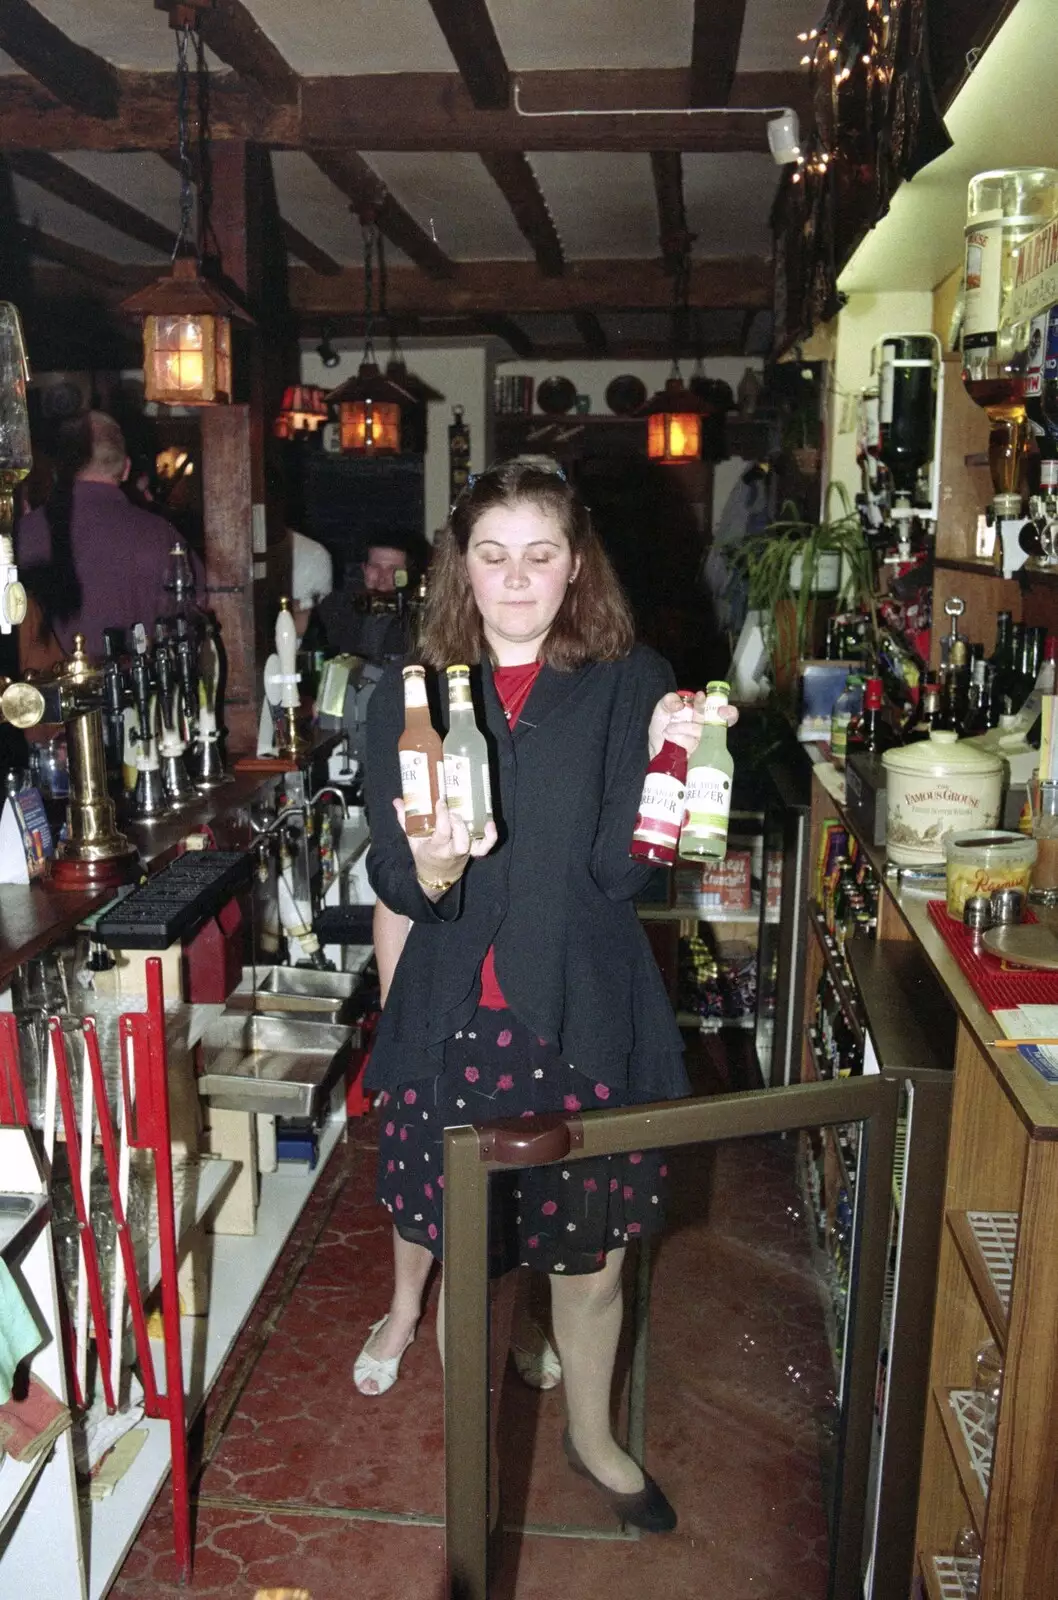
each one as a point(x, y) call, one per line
point(421, 757)
point(1002, 657)
point(984, 712)
point(468, 788)
point(874, 733)
point(656, 834)
point(709, 775)
point(848, 705)
point(1047, 680)
point(926, 711)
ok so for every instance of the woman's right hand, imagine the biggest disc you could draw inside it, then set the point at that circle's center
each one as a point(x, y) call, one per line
point(442, 856)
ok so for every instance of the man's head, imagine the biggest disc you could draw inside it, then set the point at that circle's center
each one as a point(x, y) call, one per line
point(103, 445)
point(380, 563)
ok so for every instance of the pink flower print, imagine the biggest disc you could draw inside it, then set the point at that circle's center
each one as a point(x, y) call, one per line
point(549, 1208)
point(528, 1113)
point(633, 1228)
point(432, 1230)
point(636, 1157)
point(628, 1191)
point(571, 1103)
point(664, 1171)
point(590, 1185)
point(541, 1041)
point(600, 1256)
point(506, 1082)
point(384, 1098)
point(613, 1185)
point(534, 1242)
point(471, 1074)
point(399, 1202)
point(410, 1097)
point(441, 1181)
point(601, 1092)
point(403, 1135)
point(427, 1190)
point(503, 1039)
point(391, 1166)
point(389, 1130)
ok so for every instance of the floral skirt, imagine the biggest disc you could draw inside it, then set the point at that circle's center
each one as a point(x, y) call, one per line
point(560, 1218)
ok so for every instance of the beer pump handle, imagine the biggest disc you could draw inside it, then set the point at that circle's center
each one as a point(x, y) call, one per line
point(286, 650)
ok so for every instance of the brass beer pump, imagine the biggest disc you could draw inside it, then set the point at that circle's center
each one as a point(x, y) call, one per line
point(95, 853)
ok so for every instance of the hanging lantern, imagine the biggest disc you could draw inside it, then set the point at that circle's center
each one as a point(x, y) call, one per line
point(674, 424)
point(369, 405)
point(304, 409)
point(186, 337)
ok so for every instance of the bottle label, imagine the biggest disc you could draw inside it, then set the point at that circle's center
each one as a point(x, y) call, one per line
point(414, 689)
point(660, 810)
point(1037, 349)
point(886, 384)
point(458, 790)
point(708, 803)
point(415, 783)
point(839, 737)
point(984, 283)
point(486, 787)
point(1048, 476)
point(714, 705)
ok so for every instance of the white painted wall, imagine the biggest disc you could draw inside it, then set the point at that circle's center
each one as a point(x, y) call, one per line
point(463, 374)
point(860, 324)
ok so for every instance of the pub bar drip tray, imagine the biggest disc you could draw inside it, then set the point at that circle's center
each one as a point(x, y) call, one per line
point(277, 1065)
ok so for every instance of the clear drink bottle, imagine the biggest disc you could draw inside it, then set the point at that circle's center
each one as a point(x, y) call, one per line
point(468, 788)
point(422, 778)
point(709, 773)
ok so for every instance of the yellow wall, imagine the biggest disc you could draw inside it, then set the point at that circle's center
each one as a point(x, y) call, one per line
point(944, 297)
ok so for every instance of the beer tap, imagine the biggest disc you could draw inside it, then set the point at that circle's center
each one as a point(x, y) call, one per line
point(172, 743)
point(208, 762)
point(113, 702)
point(149, 802)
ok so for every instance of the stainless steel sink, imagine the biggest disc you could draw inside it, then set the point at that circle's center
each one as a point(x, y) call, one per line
point(326, 996)
point(16, 1210)
point(273, 1064)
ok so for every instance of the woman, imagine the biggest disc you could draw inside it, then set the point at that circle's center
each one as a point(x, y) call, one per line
point(526, 983)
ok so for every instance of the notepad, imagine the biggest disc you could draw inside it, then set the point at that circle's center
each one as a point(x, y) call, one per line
point(1033, 1022)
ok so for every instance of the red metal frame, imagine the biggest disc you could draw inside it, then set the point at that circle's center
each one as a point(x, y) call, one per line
point(14, 1112)
point(357, 1102)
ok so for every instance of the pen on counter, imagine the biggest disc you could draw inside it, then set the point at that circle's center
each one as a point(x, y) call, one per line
point(1014, 1044)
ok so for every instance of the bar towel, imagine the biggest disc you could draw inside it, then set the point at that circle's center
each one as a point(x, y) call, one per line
point(31, 1425)
point(19, 1334)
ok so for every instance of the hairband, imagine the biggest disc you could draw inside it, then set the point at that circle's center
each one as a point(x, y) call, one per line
point(555, 472)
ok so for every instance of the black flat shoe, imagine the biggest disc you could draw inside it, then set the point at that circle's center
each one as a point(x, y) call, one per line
point(648, 1509)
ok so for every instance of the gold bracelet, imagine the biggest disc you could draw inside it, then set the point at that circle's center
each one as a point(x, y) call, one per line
point(441, 884)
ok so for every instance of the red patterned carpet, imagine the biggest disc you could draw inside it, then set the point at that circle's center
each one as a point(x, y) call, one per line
point(308, 1484)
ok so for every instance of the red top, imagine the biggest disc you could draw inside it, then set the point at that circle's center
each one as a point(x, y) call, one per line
point(513, 685)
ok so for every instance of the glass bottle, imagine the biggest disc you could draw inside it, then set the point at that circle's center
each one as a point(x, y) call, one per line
point(1002, 658)
point(709, 775)
point(422, 778)
point(468, 787)
point(1003, 208)
point(875, 733)
point(848, 705)
point(925, 713)
point(657, 829)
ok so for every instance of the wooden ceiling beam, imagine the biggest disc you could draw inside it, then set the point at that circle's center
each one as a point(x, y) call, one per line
point(98, 269)
point(365, 190)
point(500, 327)
point(506, 288)
point(77, 77)
point(716, 35)
point(471, 37)
point(513, 175)
point(232, 34)
point(308, 251)
point(674, 239)
point(410, 111)
point(591, 331)
point(72, 186)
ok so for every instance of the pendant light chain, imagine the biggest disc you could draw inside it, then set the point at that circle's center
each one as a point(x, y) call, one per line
point(370, 233)
point(183, 141)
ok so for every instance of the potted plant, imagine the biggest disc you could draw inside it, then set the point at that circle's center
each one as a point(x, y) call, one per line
point(792, 562)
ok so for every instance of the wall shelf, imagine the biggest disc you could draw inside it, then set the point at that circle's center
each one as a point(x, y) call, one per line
point(987, 1242)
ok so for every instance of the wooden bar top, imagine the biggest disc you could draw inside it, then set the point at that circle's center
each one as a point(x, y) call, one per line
point(1035, 1100)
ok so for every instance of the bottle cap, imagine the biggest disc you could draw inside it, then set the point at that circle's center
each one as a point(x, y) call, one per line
point(414, 672)
point(454, 669)
point(717, 686)
point(1050, 649)
point(872, 697)
point(854, 680)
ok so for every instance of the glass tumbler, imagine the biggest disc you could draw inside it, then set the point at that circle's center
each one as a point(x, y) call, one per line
point(1043, 798)
point(988, 1380)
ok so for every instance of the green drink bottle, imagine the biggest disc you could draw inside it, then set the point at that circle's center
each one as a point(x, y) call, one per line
point(709, 773)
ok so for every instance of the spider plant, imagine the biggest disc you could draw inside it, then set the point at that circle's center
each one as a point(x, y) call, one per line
point(782, 567)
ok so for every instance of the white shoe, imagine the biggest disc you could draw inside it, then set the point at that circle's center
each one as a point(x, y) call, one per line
point(536, 1358)
point(373, 1369)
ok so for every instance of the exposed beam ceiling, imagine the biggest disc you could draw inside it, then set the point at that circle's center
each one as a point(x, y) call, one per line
point(77, 190)
point(100, 270)
point(673, 237)
point(233, 35)
point(506, 288)
point(309, 252)
point(408, 111)
point(507, 329)
point(516, 180)
point(74, 75)
point(365, 191)
point(715, 38)
point(471, 37)
point(592, 332)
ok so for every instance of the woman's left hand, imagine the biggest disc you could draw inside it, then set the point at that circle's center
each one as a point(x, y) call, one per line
point(670, 720)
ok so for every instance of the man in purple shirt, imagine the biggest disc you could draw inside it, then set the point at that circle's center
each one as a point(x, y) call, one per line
point(89, 558)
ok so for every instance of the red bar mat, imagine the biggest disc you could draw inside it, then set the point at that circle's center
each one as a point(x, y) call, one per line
point(999, 985)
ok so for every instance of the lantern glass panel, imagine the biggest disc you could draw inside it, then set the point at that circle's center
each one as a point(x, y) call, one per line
point(369, 426)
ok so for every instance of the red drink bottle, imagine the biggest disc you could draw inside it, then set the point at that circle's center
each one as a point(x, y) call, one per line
point(657, 830)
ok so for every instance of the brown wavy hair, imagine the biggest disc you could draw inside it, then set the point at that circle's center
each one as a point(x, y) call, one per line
point(594, 622)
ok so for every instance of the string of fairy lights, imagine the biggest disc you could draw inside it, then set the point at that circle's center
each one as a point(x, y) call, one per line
point(853, 38)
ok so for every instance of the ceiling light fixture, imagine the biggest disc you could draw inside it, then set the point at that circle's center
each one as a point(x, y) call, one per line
point(784, 119)
point(369, 404)
point(325, 349)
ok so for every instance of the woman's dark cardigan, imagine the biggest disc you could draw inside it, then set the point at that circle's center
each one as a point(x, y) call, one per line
point(554, 896)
